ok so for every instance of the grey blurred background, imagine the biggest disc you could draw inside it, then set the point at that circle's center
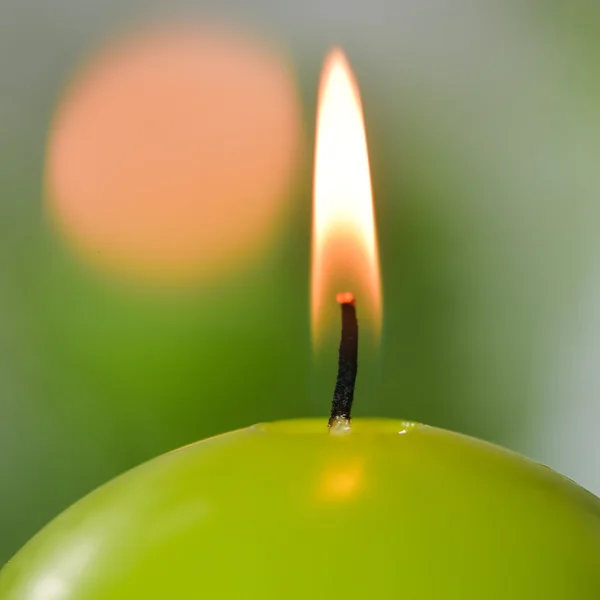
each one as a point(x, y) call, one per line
point(483, 122)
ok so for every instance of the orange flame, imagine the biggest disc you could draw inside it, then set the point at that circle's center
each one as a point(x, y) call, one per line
point(344, 242)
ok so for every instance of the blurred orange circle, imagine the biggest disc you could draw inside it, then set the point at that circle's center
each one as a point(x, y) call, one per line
point(174, 150)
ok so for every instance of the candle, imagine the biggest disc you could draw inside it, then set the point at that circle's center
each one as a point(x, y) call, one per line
point(364, 508)
point(286, 510)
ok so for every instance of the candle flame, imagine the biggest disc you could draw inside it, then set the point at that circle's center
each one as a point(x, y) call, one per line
point(344, 242)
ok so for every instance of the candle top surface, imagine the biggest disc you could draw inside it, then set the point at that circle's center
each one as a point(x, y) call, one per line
point(358, 426)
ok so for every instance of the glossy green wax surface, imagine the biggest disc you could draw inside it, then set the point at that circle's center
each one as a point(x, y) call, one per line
point(287, 510)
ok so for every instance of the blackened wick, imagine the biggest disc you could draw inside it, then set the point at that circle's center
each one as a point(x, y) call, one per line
point(343, 394)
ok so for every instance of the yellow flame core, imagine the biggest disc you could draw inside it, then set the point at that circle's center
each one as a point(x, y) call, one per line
point(344, 241)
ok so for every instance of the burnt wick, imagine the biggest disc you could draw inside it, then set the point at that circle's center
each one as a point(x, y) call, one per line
point(343, 395)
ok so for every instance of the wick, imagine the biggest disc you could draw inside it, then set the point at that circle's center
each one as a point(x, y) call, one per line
point(343, 395)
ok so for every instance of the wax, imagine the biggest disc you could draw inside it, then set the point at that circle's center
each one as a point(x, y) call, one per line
point(288, 510)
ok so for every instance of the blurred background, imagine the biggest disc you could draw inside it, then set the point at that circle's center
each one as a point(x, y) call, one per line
point(155, 183)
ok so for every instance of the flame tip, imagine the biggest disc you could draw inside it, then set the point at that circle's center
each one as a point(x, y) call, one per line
point(336, 51)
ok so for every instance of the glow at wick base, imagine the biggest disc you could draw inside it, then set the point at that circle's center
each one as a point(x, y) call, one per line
point(286, 510)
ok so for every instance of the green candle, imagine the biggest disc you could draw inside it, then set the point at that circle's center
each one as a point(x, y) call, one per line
point(288, 510)
point(369, 509)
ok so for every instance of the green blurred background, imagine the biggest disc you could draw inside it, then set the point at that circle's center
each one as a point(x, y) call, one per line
point(483, 124)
